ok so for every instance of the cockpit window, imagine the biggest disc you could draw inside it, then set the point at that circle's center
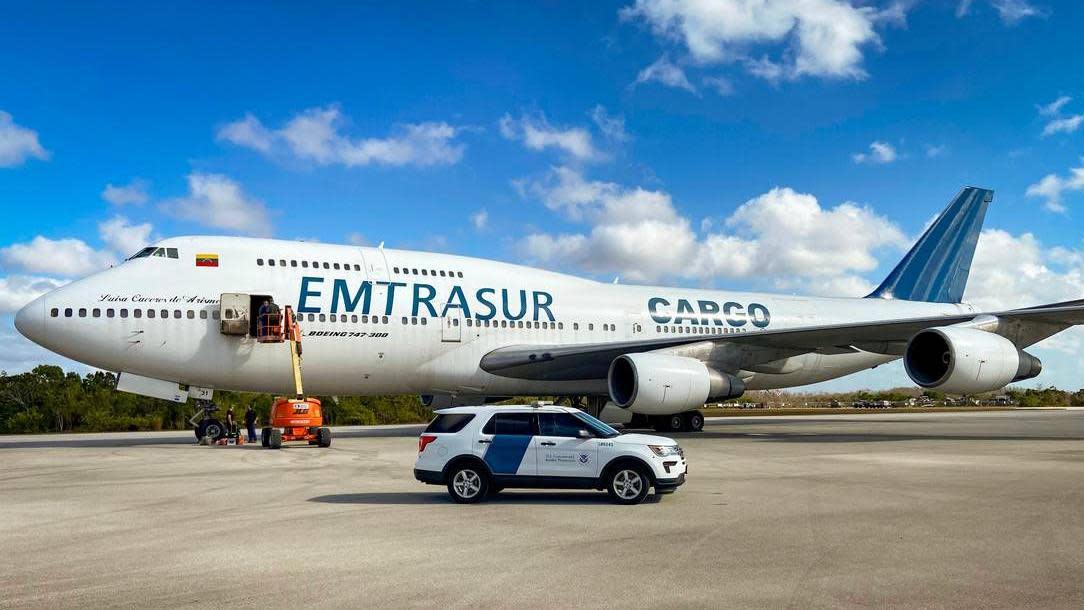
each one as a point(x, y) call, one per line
point(155, 251)
point(143, 253)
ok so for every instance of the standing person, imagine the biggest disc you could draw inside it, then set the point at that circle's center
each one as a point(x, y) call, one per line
point(263, 320)
point(231, 423)
point(250, 423)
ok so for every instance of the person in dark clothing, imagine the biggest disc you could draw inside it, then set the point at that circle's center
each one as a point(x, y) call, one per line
point(231, 423)
point(262, 319)
point(250, 423)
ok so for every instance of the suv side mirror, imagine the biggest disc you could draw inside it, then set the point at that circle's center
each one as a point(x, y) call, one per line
point(583, 434)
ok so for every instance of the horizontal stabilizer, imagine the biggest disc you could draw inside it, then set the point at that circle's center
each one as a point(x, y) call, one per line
point(936, 268)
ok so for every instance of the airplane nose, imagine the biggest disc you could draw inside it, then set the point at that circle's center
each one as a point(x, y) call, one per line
point(30, 320)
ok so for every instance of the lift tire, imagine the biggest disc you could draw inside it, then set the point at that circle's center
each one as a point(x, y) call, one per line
point(276, 440)
point(694, 421)
point(265, 437)
point(323, 437)
point(212, 428)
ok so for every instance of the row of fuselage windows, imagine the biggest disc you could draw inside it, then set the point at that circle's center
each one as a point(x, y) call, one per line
point(123, 312)
point(204, 314)
point(282, 262)
point(427, 272)
point(697, 330)
point(469, 322)
point(213, 314)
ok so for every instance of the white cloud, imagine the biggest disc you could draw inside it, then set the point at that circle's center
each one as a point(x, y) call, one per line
point(480, 219)
point(17, 143)
point(639, 235)
point(1016, 271)
point(537, 133)
point(357, 239)
point(1067, 124)
point(879, 152)
point(1051, 188)
point(934, 151)
point(1014, 11)
point(216, 201)
point(123, 237)
point(135, 192)
point(822, 38)
point(61, 257)
point(248, 132)
point(611, 127)
point(1011, 12)
point(1054, 108)
point(720, 85)
point(18, 290)
point(665, 72)
point(315, 135)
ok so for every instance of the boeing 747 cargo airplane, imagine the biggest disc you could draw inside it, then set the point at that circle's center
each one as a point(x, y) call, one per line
point(177, 320)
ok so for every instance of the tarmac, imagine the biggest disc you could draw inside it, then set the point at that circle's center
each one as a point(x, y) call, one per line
point(885, 510)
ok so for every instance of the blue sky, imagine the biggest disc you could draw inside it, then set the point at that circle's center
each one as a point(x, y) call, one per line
point(796, 147)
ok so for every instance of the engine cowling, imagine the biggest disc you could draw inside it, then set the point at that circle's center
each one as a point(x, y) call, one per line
point(966, 360)
point(661, 384)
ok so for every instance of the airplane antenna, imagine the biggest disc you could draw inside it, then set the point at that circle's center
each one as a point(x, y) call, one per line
point(616, 278)
point(381, 246)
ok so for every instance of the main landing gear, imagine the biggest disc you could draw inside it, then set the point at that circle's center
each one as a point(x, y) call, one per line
point(689, 421)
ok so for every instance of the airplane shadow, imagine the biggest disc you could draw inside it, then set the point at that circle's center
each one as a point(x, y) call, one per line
point(505, 497)
point(835, 437)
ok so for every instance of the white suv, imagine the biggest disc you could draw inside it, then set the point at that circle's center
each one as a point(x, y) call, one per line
point(477, 451)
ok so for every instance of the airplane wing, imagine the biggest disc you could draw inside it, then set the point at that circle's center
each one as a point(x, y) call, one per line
point(592, 360)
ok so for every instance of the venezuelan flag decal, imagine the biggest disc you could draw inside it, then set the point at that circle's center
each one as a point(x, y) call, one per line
point(206, 260)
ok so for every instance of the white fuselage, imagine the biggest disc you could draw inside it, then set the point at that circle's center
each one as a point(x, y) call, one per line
point(381, 321)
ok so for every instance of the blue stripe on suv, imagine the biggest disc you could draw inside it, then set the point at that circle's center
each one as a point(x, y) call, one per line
point(506, 452)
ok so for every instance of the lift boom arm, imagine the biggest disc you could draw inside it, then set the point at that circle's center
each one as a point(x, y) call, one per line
point(293, 336)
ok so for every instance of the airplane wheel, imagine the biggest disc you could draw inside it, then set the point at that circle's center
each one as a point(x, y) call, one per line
point(323, 437)
point(275, 441)
point(694, 421)
point(675, 422)
point(212, 428)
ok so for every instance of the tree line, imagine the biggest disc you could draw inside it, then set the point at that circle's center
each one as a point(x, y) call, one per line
point(47, 399)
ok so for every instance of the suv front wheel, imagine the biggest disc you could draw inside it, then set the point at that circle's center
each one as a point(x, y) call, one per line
point(468, 484)
point(628, 484)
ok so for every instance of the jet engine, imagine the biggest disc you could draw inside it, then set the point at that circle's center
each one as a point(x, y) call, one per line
point(661, 384)
point(966, 360)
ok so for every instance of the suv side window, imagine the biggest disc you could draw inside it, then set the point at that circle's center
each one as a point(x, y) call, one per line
point(559, 424)
point(450, 422)
point(520, 424)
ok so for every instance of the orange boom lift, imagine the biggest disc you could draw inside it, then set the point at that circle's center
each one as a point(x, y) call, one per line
point(298, 418)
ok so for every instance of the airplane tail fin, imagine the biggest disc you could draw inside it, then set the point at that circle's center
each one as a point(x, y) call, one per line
point(936, 268)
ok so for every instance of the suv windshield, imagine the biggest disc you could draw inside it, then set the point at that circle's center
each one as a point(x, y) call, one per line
point(598, 427)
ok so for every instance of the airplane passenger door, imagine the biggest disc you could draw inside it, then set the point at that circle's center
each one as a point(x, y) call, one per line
point(451, 329)
point(376, 265)
point(561, 451)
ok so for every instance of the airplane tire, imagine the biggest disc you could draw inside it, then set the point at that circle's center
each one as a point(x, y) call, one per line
point(323, 437)
point(675, 422)
point(276, 440)
point(694, 421)
point(212, 428)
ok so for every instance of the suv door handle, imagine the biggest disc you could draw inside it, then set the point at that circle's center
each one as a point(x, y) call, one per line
point(548, 444)
point(484, 441)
